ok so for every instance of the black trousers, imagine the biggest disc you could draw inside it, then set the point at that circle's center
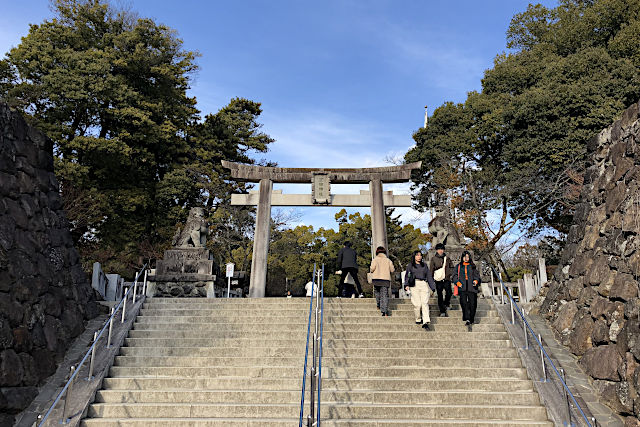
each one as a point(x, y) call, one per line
point(354, 275)
point(444, 286)
point(469, 303)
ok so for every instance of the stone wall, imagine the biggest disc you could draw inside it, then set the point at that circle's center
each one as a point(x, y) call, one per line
point(44, 294)
point(592, 301)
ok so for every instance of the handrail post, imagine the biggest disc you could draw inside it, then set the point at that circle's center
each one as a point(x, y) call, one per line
point(144, 284)
point(124, 307)
point(135, 291)
point(513, 320)
point(544, 369)
point(566, 396)
point(65, 420)
point(110, 327)
point(526, 336)
point(93, 356)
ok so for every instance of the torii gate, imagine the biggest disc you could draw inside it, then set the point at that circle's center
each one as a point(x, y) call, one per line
point(321, 180)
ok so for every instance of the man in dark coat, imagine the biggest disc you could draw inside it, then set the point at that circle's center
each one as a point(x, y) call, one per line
point(348, 263)
point(442, 278)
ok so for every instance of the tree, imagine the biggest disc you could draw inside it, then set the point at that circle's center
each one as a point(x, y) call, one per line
point(131, 155)
point(294, 251)
point(510, 156)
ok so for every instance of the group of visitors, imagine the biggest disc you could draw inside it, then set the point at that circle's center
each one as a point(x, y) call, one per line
point(420, 280)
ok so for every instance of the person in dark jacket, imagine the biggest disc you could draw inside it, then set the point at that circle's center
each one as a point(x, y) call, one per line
point(467, 279)
point(441, 268)
point(348, 263)
point(420, 292)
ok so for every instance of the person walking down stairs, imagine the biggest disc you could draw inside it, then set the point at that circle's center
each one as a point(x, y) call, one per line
point(416, 277)
point(381, 268)
point(441, 267)
point(348, 263)
point(467, 279)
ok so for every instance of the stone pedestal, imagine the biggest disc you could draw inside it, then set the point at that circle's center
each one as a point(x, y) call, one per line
point(184, 272)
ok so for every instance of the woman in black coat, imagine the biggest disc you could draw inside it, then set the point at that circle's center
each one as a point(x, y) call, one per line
point(466, 278)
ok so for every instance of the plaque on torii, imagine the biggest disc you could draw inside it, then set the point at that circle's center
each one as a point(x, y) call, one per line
point(321, 180)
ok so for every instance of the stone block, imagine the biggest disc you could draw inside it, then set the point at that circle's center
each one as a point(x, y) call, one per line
point(6, 334)
point(566, 314)
point(582, 329)
point(600, 334)
point(19, 398)
point(625, 287)
point(587, 296)
point(11, 371)
point(602, 362)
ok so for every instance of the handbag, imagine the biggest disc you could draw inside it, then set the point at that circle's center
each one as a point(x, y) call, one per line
point(441, 273)
point(411, 281)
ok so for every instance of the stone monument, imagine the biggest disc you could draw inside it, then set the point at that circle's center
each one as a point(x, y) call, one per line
point(443, 231)
point(187, 269)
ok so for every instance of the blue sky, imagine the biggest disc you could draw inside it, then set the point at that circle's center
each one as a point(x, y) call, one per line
point(342, 83)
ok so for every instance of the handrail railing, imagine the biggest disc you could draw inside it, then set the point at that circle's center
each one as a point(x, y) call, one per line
point(306, 351)
point(75, 370)
point(321, 296)
point(543, 353)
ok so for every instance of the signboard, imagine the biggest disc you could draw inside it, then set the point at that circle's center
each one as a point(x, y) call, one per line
point(320, 188)
point(230, 268)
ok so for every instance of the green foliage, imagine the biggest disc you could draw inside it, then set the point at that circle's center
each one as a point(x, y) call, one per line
point(516, 273)
point(517, 146)
point(110, 90)
point(293, 251)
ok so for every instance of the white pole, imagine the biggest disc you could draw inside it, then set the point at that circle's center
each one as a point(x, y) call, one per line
point(228, 287)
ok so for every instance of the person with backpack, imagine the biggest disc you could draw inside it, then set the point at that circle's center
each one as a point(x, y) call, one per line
point(466, 278)
point(348, 263)
point(381, 269)
point(442, 268)
point(416, 278)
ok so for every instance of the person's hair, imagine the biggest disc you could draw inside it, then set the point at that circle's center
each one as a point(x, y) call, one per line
point(440, 246)
point(470, 258)
point(347, 244)
point(381, 250)
point(413, 258)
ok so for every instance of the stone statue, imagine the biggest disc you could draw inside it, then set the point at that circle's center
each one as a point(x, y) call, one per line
point(444, 231)
point(194, 233)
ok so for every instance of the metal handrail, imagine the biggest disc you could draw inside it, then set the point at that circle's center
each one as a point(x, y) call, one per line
point(321, 296)
point(306, 351)
point(91, 351)
point(543, 352)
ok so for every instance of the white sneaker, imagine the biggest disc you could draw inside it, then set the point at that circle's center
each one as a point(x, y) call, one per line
point(361, 296)
point(353, 295)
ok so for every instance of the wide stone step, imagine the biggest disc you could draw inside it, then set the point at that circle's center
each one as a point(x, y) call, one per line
point(506, 385)
point(287, 422)
point(327, 372)
point(327, 361)
point(279, 352)
point(416, 333)
point(334, 410)
point(301, 308)
point(429, 340)
point(454, 319)
point(250, 314)
point(456, 327)
point(328, 396)
point(295, 302)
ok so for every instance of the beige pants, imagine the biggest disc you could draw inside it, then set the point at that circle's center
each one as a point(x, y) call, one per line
point(420, 299)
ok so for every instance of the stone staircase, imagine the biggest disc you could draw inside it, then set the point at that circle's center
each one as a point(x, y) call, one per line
point(238, 362)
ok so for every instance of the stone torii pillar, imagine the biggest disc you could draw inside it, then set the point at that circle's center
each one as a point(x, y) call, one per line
point(378, 217)
point(266, 197)
point(258, 283)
